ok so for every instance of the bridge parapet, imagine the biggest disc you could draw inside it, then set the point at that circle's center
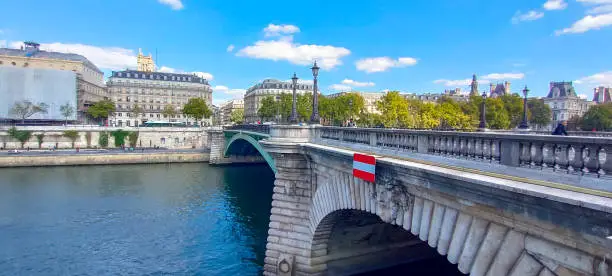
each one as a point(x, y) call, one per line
point(568, 154)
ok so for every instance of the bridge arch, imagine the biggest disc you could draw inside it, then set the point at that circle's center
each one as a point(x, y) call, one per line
point(473, 243)
point(236, 144)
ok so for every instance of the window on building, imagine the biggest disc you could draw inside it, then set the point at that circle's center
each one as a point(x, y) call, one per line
point(176, 140)
point(120, 123)
point(162, 141)
point(158, 116)
point(127, 123)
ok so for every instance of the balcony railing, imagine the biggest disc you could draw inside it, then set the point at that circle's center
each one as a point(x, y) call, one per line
point(568, 154)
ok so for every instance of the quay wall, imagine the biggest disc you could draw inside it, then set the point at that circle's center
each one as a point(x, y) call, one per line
point(103, 159)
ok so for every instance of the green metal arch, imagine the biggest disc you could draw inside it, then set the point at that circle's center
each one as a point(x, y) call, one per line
point(255, 144)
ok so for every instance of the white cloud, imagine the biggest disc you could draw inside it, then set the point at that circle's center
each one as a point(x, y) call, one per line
point(588, 23)
point(230, 48)
point(382, 64)
point(165, 69)
point(112, 58)
point(486, 79)
point(555, 5)
point(357, 83)
point(340, 87)
point(529, 16)
point(504, 76)
point(601, 9)
point(222, 93)
point(277, 30)
point(599, 79)
point(174, 4)
point(326, 56)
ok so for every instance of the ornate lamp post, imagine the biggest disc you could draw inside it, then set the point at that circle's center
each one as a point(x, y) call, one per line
point(293, 118)
point(524, 124)
point(483, 107)
point(278, 103)
point(314, 118)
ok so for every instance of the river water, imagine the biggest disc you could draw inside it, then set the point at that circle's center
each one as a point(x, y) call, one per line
point(180, 219)
point(176, 219)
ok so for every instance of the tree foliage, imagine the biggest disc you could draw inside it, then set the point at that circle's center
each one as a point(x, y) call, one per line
point(26, 109)
point(137, 110)
point(23, 136)
point(119, 136)
point(394, 109)
point(101, 109)
point(598, 117)
point(237, 116)
point(169, 111)
point(197, 109)
point(67, 111)
point(268, 109)
point(73, 135)
point(103, 139)
point(342, 108)
point(514, 109)
point(539, 112)
point(40, 139)
point(133, 138)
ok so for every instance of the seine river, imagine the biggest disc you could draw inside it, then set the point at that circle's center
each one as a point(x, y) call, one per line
point(178, 219)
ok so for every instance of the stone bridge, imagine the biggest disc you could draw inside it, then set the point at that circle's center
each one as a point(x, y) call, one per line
point(492, 203)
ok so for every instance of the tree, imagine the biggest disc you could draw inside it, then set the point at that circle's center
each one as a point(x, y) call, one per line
point(169, 111)
point(133, 138)
point(237, 116)
point(598, 117)
point(103, 139)
point(539, 112)
point(197, 109)
point(101, 109)
point(40, 137)
point(394, 109)
point(20, 135)
point(268, 109)
point(304, 107)
point(73, 135)
point(26, 109)
point(514, 108)
point(496, 114)
point(67, 111)
point(119, 136)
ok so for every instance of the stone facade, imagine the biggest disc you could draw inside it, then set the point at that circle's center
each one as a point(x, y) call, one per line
point(564, 102)
point(103, 159)
point(269, 87)
point(226, 110)
point(154, 91)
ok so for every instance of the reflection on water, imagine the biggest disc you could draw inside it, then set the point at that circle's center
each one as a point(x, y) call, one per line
point(134, 219)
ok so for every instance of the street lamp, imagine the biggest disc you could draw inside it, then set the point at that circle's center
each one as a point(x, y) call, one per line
point(350, 112)
point(293, 118)
point(524, 124)
point(483, 107)
point(314, 118)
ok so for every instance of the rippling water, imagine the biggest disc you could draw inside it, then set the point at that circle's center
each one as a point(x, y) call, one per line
point(181, 219)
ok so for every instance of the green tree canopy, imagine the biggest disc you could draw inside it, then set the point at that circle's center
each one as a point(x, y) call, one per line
point(394, 109)
point(268, 108)
point(497, 115)
point(197, 109)
point(539, 112)
point(169, 111)
point(73, 135)
point(26, 109)
point(20, 135)
point(237, 116)
point(598, 117)
point(514, 108)
point(101, 109)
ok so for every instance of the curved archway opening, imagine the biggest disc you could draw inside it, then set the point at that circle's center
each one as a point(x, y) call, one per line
point(242, 148)
point(354, 242)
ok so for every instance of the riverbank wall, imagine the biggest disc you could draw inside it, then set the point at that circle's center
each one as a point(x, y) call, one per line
point(89, 137)
point(103, 159)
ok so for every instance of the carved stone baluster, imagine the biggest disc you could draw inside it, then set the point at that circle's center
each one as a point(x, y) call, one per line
point(536, 155)
point(525, 155)
point(571, 158)
point(605, 160)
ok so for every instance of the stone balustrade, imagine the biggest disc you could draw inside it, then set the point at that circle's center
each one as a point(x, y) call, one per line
point(568, 154)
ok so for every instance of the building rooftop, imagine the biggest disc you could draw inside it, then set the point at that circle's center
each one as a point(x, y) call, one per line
point(561, 89)
point(133, 74)
point(32, 51)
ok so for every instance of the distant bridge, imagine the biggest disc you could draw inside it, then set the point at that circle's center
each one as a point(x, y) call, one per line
point(492, 203)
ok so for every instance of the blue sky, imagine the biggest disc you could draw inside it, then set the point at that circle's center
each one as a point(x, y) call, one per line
point(413, 46)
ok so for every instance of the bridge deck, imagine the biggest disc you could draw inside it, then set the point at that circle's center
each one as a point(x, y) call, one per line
point(585, 192)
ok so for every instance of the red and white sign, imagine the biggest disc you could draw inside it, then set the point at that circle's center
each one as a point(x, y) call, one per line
point(364, 167)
